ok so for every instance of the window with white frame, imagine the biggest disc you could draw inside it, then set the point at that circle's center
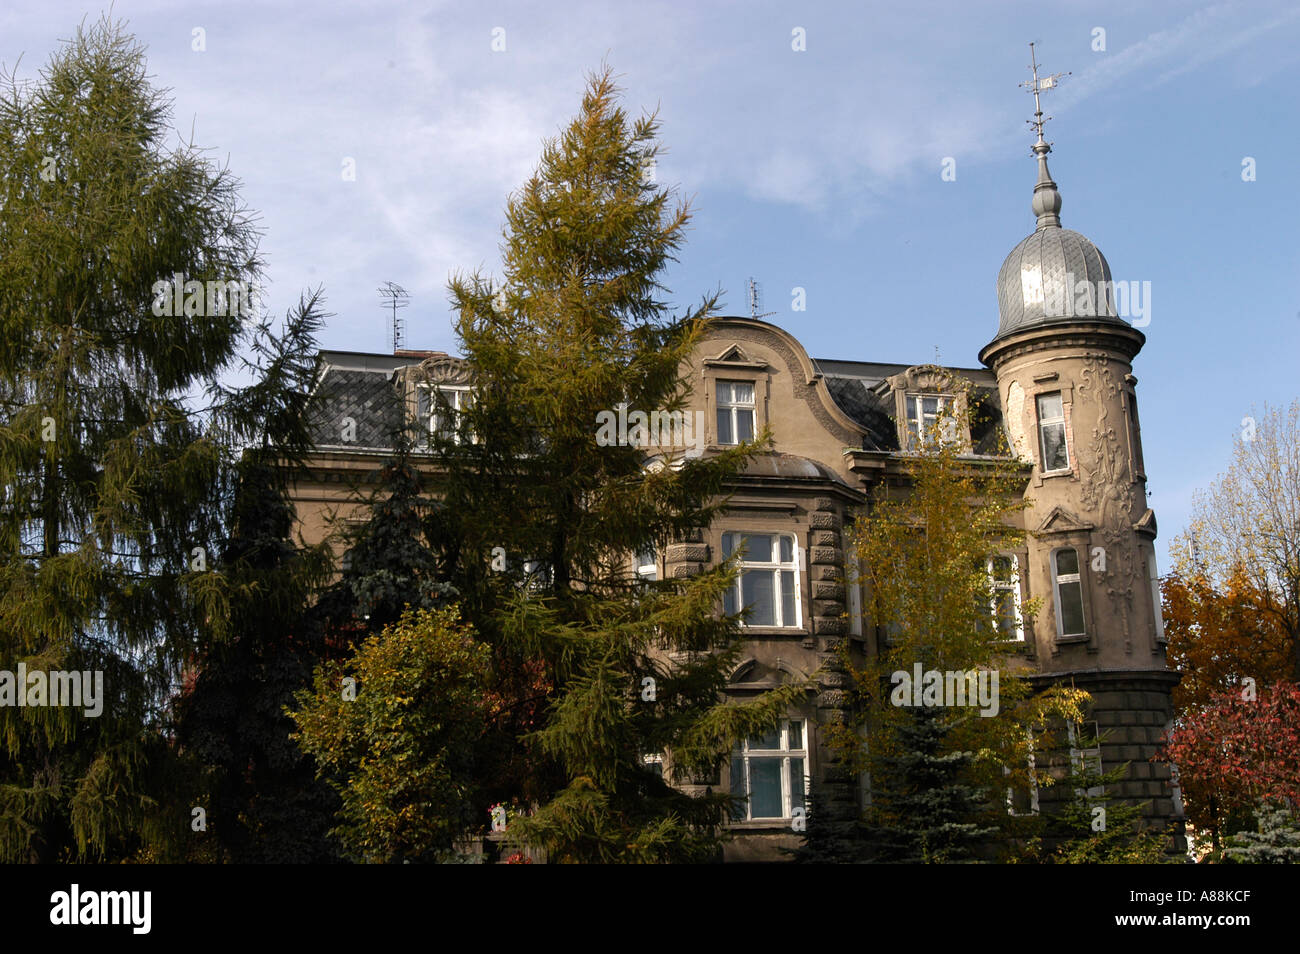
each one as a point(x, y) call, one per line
point(1004, 582)
point(1054, 453)
point(770, 773)
point(735, 411)
point(1068, 589)
point(647, 564)
point(443, 404)
point(1023, 800)
point(929, 419)
point(1085, 754)
point(768, 583)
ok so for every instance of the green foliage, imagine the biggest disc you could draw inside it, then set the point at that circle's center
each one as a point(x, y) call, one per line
point(927, 810)
point(575, 330)
point(111, 477)
point(1277, 842)
point(1092, 826)
point(924, 553)
point(401, 752)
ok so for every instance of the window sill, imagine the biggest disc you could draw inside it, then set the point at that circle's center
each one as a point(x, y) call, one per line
point(1075, 638)
point(773, 630)
point(762, 824)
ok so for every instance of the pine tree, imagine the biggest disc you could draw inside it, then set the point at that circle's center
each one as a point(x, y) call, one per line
point(574, 330)
point(112, 476)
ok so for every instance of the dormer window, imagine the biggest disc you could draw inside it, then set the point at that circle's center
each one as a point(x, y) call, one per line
point(925, 412)
point(735, 411)
point(442, 406)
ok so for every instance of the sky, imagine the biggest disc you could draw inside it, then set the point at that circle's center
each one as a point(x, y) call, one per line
point(874, 155)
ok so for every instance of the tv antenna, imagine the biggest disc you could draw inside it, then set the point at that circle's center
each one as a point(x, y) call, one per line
point(395, 297)
point(755, 295)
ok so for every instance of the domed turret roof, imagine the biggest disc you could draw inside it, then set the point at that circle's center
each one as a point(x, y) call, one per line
point(1054, 275)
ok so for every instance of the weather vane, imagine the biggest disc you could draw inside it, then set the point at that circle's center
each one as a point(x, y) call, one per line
point(1036, 86)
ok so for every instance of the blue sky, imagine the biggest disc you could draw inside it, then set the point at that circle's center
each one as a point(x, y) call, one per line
point(818, 169)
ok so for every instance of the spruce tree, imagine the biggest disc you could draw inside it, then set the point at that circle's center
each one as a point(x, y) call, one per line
point(1277, 842)
point(111, 472)
point(929, 810)
point(629, 670)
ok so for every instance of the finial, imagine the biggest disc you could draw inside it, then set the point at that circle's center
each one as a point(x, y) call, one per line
point(1047, 201)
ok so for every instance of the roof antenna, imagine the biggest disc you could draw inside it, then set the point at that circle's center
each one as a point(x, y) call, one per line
point(395, 297)
point(756, 301)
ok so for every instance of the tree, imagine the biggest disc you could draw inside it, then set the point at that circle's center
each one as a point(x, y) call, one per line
point(111, 473)
point(925, 554)
point(1219, 636)
point(1277, 842)
point(394, 729)
point(1245, 531)
point(1236, 751)
point(928, 810)
point(261, 797)
point(574, 331)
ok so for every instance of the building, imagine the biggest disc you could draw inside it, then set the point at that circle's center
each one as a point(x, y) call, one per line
point(1058, 375)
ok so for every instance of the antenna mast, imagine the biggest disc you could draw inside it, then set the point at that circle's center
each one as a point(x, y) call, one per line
point(394, 297)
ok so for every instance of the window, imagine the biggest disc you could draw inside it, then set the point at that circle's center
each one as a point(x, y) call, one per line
point(768, 584)
point(1156, 610)
point(1086, 760)
point(1004, 576)
point(924, 413)
point(769, 773)
point(1051, 433)
point(442, 405)
point(1023, 800)
point(647, 564)
point(1069, 592)
point(735, 411)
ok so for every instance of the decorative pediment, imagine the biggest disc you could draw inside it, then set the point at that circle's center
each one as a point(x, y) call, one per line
point(925, 377)
point(1061, 520)
point(734, 357)
point(1146, 524)
point(445, 369)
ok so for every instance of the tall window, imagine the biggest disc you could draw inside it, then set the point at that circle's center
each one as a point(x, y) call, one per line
point(1069, 592)
point(735, 411)
point(768, 585)
point(1004, 576)
point(1153, 578)
point(924, 413)
point(1085, 754)
point(769, 772)
point(1051, 433)
point(443, 405)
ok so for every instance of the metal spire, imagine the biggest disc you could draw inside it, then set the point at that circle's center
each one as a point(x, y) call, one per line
point(1047, 201)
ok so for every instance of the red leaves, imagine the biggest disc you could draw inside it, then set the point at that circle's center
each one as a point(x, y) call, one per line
point(1241, 749)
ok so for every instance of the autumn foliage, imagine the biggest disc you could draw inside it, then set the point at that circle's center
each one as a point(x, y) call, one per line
point(1237, 751)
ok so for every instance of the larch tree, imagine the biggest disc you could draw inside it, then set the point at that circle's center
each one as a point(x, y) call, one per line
point(124, 289)
point(548, 516)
